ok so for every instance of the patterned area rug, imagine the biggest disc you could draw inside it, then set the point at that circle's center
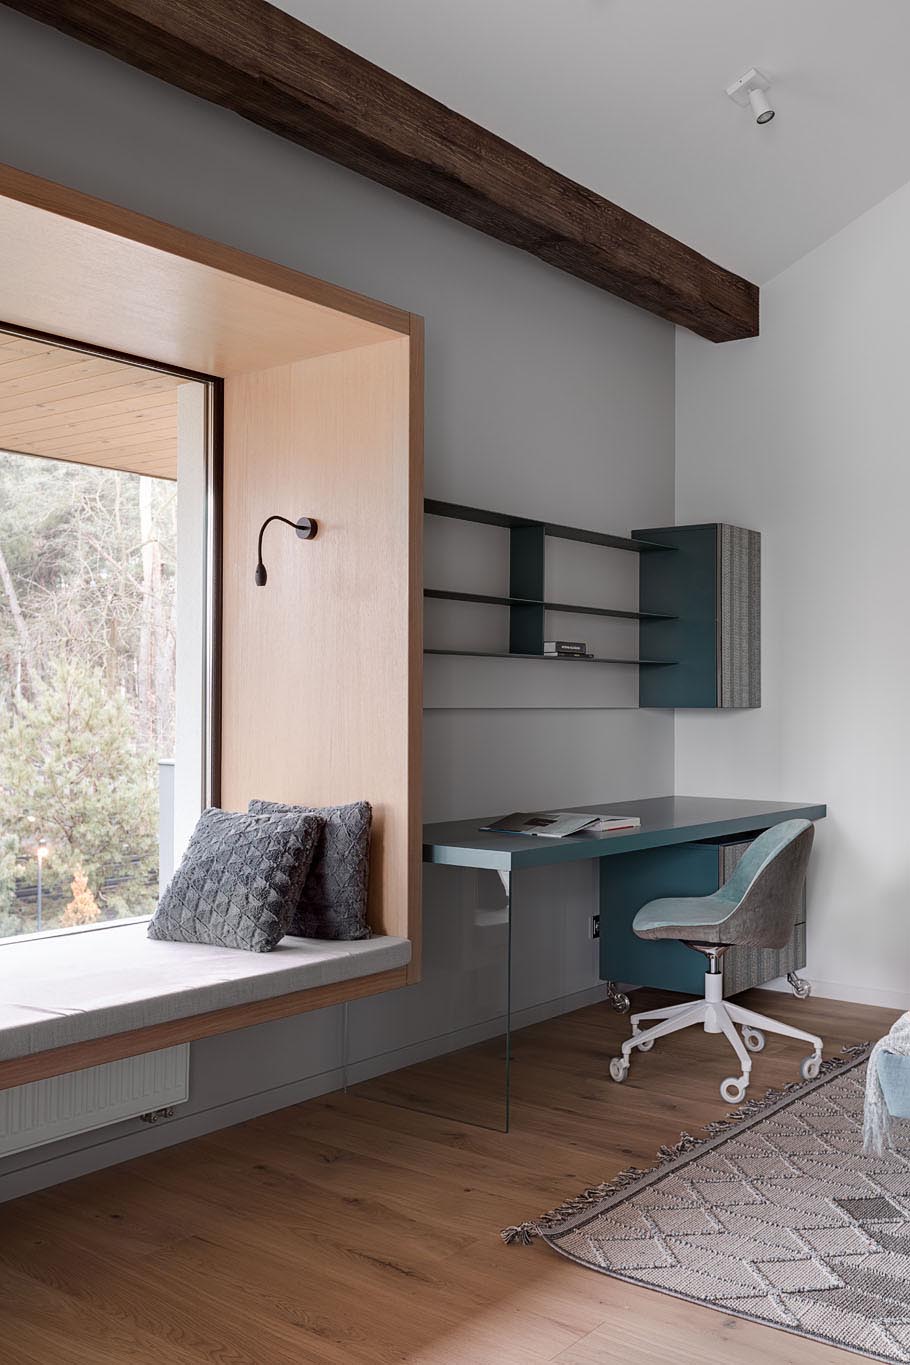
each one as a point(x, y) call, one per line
point(777, 1216)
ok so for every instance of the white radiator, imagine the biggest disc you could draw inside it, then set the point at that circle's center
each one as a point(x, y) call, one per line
point(62, 1106)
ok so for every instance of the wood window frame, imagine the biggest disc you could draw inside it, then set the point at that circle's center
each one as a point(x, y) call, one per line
point(106, 278)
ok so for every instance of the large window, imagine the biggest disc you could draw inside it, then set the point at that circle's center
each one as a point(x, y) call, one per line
point(104, 624)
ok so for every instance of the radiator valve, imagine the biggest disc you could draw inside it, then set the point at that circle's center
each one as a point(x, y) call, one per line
point(156, 1115)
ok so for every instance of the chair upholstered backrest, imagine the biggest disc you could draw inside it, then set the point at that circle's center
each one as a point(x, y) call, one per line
point(765, 892)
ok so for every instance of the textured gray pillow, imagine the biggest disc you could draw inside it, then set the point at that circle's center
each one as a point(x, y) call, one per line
point(334, 899)
point(240, 880)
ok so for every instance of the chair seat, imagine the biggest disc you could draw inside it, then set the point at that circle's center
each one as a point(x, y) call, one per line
point(699, 918)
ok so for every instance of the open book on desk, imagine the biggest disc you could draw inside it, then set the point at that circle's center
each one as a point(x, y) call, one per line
point(559, 824)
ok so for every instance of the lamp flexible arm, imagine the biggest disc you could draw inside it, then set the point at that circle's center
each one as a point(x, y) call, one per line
point(276, 517)
point(306, 528)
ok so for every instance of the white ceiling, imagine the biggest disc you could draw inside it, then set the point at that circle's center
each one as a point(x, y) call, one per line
point(626, 96)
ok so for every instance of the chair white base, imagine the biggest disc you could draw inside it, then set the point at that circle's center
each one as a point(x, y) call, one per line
point(716, 1015)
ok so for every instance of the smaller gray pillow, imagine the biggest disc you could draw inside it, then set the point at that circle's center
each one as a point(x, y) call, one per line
point(334, 899)
point(240, 880)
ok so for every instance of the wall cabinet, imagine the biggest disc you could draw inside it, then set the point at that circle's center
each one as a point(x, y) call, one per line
point(703, 605)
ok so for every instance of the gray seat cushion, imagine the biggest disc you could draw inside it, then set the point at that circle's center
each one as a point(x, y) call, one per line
point(240, 880)
point(698, 918)
point(333, 903)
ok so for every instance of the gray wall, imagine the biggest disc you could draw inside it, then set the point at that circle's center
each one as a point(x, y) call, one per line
point(544, 397)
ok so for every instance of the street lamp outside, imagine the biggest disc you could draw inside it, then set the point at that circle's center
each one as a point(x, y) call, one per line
point(41, 851)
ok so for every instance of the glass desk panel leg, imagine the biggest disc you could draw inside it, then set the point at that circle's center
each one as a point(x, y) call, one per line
point(443, 1046)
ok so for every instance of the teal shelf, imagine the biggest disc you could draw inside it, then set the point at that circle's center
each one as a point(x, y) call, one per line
point(560, 658)
point(549, 528)
point(572, 609)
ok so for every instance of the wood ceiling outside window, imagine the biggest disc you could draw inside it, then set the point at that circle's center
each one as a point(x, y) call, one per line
point(70, 405)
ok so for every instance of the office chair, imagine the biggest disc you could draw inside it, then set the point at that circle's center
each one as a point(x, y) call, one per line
point(757, 908)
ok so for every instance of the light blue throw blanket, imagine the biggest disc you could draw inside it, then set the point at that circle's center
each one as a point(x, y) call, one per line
point(877, 1119)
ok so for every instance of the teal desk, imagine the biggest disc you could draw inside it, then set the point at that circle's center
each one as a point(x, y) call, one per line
point(665, 821)
point(674, 852)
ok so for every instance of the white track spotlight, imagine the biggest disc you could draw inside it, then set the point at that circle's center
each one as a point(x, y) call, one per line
point(749, 92)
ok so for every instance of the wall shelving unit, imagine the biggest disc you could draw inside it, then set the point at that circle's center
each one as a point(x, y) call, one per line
point(527, 601)
point(698, 611)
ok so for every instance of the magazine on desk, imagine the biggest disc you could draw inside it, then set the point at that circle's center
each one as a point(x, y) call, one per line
point(559, 824)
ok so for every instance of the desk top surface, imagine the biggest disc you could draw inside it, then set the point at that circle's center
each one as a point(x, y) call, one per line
point(664, 820)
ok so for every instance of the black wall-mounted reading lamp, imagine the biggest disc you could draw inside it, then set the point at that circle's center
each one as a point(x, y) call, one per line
point(306, 528)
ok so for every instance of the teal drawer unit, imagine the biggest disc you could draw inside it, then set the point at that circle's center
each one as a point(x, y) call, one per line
point(701, 607)
point(698, 869)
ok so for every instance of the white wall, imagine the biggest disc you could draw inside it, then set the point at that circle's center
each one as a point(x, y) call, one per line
point(544, 397)
point(803, 434)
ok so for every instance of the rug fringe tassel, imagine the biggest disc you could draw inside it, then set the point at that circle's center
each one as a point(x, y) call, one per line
point(523, 1234)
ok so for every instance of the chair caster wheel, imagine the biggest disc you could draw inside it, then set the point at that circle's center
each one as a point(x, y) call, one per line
point(809, 1067)
point(643, 1047)
point(800, 987)
point(619, 1069)
point(617, 998)
point(754, 1039)
point(733, 1090)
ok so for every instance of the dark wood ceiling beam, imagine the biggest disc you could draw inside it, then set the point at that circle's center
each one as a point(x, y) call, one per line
point(251, 58)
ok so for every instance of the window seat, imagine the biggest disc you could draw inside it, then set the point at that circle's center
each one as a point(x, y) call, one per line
point(83, 998)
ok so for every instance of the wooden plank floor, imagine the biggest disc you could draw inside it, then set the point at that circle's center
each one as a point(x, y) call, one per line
point(345, 1231)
